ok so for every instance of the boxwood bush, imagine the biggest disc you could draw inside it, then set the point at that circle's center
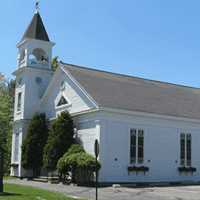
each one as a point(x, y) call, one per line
point(81, 164)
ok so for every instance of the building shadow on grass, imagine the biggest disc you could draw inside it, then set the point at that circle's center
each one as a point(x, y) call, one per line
point(9, 194)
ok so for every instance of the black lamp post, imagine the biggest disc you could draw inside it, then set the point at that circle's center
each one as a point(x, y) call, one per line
point(96, 150)
point(1, 169)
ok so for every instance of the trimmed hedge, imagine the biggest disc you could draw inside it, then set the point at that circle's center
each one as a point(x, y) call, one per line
point(80, 160)
point(81, 164)
point(75, 148)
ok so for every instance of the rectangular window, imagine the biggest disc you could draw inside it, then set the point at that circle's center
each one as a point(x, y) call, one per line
point(140, 146)
point(189, 156)
point(185, 149)
point(19, 102)
point(133, 146)
point(16, 148)
point(136, 146)
point(182, 152)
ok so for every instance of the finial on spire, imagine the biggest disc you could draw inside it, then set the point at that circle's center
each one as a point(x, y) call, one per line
point(37, 6)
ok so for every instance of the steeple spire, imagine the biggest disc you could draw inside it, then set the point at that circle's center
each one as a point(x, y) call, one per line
point(36, 29)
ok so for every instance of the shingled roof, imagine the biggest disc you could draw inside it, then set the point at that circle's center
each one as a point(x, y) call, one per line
point(137, 94)
point(36, 29)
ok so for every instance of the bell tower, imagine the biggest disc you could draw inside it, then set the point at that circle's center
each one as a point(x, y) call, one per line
point(35, 48)
point(33, 75)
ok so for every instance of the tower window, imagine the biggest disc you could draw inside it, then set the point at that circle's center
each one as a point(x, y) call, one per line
point(38, 56)
point(19, 102)
point(16, 148)
point(22, 56)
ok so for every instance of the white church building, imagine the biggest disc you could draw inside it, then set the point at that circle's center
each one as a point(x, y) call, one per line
point(148, 131)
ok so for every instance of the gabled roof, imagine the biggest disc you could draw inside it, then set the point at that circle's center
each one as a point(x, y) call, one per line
point(129, 93)
point(36, 29)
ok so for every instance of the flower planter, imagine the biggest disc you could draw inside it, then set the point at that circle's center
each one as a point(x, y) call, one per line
point(187, 170)
point(138, 169)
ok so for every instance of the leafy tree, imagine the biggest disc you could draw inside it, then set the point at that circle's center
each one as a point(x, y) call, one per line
point(11, 90)
point(6, 117)
point(59, 140)
point(33, 144)
point(54, 63)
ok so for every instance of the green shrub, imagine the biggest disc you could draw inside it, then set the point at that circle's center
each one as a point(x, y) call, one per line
point(59, 140)
point(75, 148)
point(33, 144)
point(54, 63)
point(80, 163)
point(62, 165)
point(7, 89)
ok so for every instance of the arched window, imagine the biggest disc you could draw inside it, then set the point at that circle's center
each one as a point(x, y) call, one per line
point(38, 56)
point(21, 56)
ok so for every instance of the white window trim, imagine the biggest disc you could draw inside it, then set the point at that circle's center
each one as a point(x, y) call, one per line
point(185, 133)
point(17, 102)
point(16, 161)
point(62, 93)
point(129, 145)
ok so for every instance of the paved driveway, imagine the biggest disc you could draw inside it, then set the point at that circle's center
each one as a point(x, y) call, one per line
point(154, 193)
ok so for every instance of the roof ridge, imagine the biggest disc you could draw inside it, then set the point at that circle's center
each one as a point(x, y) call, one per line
point(130, 76)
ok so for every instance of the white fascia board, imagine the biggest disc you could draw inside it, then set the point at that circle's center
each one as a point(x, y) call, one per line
point(80, 113)
point(136, 113)
point(21, 69)
point(85, 112)
point(35, 40)
point(145, 114)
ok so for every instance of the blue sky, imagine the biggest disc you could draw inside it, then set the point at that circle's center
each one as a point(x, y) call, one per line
point(154, 39)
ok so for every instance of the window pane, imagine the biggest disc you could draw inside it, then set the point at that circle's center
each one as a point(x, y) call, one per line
point(140, 146)
point(133, 146)
point(189, 149)
point(140, 137)
point(19, 101)
point(16, 148)
point(182, 149)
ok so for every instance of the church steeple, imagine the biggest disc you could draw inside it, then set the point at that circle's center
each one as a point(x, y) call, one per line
point(35, 47)
point(36, 29)
point(33, 76)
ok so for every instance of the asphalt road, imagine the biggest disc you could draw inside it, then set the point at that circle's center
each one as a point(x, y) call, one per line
point(122, 193)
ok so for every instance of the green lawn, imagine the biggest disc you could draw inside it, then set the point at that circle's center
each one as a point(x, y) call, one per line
point(16, 192)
